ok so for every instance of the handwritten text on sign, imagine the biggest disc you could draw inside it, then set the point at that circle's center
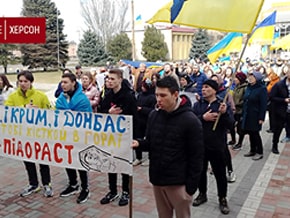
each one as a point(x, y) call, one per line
point(22, 30)
point(80, 140)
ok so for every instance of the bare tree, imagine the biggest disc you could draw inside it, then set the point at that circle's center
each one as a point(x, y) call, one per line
point(105, 17)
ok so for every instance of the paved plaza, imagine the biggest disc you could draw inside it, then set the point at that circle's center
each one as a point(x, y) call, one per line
point(262, 189)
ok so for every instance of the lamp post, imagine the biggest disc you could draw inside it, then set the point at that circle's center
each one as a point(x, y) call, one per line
point(57, 36)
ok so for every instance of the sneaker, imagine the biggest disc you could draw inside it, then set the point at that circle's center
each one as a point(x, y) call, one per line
point(136, 162)
point(232, 142)
point(145, 163)
point(257, 157)
point(237, 147)
point(70, 190)
point(124, 200)
point(29, 190)
point(224, 208)
point(285, 140)
point(249, 154)
point(109, 198)
point(84, 196)
point(47, 191)
point(231, 177)
point(200, 199)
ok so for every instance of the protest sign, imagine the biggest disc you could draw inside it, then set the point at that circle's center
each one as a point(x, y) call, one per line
point(80, 140)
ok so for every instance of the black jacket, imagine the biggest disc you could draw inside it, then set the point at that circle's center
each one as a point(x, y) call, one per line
point(125, 99)
point(147, 101)
point(214, 140)
point(277, 97)
point(175, 144)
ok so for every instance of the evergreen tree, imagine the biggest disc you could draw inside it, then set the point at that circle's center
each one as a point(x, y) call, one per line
point(153, 46)
point(6, 55)
point(45, 55)
point(200, 45)
point(120, 47)
point(91, 50)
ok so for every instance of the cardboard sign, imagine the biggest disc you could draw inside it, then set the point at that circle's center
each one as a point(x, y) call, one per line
point(22, 30)
point(80, 140)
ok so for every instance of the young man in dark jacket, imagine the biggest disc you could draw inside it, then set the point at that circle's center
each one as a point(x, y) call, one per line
point(120, 99)
point(207, 110)
point(175, 144)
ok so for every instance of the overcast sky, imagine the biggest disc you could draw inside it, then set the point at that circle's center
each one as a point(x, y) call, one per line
point(73, 21)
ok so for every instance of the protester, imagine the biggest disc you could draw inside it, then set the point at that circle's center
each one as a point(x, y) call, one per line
point(59, 89)
point(198, 78)
point(221, 94)
point(175, 144)
point(72, 98)
point(139, 75)
point(120, 99)
point(186, 84)
point(271, 79)
point(90, 90)
point(254, 110)
point(280, 98)
point(27, 96)
point(168, 71)
point(5, 88)
point(78, 72)
point(215, 142)
point(146, 102)
point(238, 97)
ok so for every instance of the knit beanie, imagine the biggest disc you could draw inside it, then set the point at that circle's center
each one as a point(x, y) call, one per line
point(257, 75)
point(213, 84)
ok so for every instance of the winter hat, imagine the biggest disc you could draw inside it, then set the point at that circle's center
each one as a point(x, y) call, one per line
point(186, 77)
point(241, 77)
point(257, 75)
point(213, 84)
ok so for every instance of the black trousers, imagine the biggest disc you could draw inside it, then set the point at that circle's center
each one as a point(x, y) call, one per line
point(228, 156)
point(32, 173)
point(255, 141)
point(279, 125)
point(72, 177)
point(217, 161)
point(113, 182)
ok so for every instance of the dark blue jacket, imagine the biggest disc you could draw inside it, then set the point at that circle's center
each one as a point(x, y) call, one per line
point(198, 79)
point(214, 140)
point(255, 106)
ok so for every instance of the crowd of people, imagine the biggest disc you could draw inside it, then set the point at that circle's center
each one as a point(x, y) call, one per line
point(185, 115)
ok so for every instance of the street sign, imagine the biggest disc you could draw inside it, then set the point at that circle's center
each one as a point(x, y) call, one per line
point(22, 30)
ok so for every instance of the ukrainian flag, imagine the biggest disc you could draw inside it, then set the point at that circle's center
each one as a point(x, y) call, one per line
point(232, 42)
point(264, 31)
point(138, 19)
point(222, 15)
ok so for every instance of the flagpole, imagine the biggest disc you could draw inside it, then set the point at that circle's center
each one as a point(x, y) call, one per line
point(133, 31)
point(233, 76)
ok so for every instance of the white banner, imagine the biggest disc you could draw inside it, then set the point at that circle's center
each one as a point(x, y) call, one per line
point(80, 140)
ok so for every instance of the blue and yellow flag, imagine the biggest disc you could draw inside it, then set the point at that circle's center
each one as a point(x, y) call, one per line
point(138, 19)
point(232, 42)
point(222, 15)
point(264, 32)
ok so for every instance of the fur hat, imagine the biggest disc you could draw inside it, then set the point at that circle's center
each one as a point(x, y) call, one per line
point(213, 84)
point(241, 77)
